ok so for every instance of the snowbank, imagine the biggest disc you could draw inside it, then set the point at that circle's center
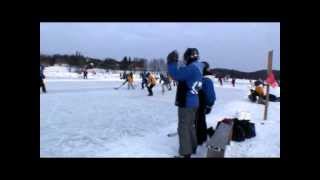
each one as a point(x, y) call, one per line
point(63, 73)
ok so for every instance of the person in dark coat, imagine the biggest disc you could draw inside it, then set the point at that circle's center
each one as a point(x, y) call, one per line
point(85, 73)
point(207, 98)
point(220, 80)
point(233, 82)
point(42, 76)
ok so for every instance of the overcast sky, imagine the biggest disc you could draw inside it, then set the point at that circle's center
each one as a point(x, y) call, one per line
point(241, 46)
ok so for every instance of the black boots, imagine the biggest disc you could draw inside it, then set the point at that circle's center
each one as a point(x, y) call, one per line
point(183, 156)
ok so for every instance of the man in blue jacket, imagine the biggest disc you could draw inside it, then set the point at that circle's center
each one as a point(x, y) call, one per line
point(42, 85)
point(189, 80)
point(207, 98)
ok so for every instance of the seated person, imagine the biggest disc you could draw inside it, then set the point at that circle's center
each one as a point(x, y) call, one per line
point(259, 91)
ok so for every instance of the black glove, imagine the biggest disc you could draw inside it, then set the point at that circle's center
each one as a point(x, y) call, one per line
point(172, 57)
point(208, 109)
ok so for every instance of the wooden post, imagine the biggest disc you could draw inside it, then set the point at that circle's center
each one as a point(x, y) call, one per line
point(270, 54)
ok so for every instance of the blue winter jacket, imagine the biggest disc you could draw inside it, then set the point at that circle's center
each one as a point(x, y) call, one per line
point(192, 76)
point(208, 90)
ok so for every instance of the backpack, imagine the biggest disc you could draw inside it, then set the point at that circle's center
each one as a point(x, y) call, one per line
point(238, 133)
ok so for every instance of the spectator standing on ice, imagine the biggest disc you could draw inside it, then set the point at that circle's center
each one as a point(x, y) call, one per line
point(207, 98)
point(220, 80)
point(189, 80)
point(85, 70)
point(233, 81)
point(85, 73)
point(42, 77)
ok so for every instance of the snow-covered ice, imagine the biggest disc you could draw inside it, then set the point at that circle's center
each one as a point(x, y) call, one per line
point(89, 118)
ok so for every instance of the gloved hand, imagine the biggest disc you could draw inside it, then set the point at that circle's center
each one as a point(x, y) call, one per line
point(172, 57)
point(208, 109)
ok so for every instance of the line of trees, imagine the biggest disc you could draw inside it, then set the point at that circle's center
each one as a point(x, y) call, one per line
point(139, 64)
point(262, 74)
point(126, 64)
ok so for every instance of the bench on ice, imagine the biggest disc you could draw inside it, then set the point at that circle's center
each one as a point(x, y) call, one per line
point(221, 138)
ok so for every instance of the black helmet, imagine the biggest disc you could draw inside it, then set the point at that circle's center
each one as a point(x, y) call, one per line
point(258, 83)
point(191, 55)
point(206, 68)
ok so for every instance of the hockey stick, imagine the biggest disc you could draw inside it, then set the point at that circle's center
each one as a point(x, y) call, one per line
point(121, 85)
point(172, 134)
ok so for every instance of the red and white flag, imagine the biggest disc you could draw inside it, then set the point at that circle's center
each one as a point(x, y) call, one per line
point(271, 80)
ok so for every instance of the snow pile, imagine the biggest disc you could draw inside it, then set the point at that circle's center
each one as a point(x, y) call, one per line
point(63, 73)
point(60, 72)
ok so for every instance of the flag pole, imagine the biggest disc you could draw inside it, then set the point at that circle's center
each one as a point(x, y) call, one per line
point(270, 54)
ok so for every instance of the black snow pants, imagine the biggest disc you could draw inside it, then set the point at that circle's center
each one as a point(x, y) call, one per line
point(150, 89)
point(201, 126)
point(42, 85)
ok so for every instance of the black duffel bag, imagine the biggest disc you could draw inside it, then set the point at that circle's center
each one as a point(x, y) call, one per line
point(248, 127)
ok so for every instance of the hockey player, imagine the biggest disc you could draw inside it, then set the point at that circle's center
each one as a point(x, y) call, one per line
point(151, 83)
point(166, 83)
point(144, 80)
point(130, 80)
